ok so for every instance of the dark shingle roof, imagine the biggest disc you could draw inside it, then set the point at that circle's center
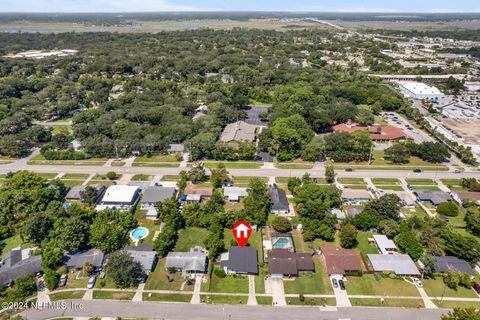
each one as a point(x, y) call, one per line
point(13, 266)
point(241, 260)
point(94, 256)
point(278, 198)
point(156, 194)
point(454, 263)
point(282, 261)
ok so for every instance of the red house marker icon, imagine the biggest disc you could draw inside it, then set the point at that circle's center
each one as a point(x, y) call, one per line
point(241, 232)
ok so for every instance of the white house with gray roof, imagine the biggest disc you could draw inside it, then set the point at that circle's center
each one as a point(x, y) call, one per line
point(153, 195)
point(234, 193)
point(193, 262)
point(385, 245)
point(144, 255)
point(400, 264)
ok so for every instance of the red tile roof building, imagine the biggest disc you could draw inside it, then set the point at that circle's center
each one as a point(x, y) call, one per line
point(377, 132)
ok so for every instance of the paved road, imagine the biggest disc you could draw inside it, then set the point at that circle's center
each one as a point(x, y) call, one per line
point(317, 172)
point(172, 311)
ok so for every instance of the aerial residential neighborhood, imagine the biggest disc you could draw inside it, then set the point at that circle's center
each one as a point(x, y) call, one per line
point(218, 164)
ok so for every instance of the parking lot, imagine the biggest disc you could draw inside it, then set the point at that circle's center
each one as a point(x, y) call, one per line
point(417, 135)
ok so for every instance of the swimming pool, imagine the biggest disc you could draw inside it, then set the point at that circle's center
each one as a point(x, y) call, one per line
point(281, 243)
point(139, 233)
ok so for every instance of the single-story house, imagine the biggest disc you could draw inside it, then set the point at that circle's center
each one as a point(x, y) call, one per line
point(467, 195)
point(119, 196)
point(352, 212)
point(240, 260)
point(340, 214)
point(405, 198)
point(153, 195)
point(193, 262)
point(175, 148)
point(434, 197)
point(17, 263)
point(355, 195)
point(94, 256)
point(282, 262)
point(278, 200)
point(377, 132)
point(239, 131)
point(385, 245)
point(339, 260)
point(74, 194)
point(400, 264)
point(145, 255)
point(234, 193)
point(196, 193)
point(450, 262)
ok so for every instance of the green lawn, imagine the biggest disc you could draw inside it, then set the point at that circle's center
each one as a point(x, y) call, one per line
point(168, 177)
point(397, 303)
point(47, 176)
point(167, 297)
point(160, 279)
point(156, 164)
point(190, 237)
point(310, 283)
point(215, 299)
point(435, 288)
point(430, 188)
point(246, 180)
point(264, 300)
point(67, 295)
point(260, 282)
point(113, 295)
point(386, 181)
point(295, 301)
point(363, 245)
point(8, 244)
point(77, 280)
point(156, 158)
point(351, 180)
point(75, 176)
point(255, 240)
point(394, 188)
point(368, 285)
point(296, 164)
point(142, 177)
point(234, 164)
point(448, 304)
point(229, 284)
point(101, 177)
point(72, 183)
point(420, 181)
point(40, 160)
point(300, 245)
point(378, 160)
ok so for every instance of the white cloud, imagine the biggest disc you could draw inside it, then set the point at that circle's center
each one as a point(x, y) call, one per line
point(92, 6)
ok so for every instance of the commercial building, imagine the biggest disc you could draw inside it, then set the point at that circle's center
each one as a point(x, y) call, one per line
point(239, 131)
point(377, 132)
point(420, 90)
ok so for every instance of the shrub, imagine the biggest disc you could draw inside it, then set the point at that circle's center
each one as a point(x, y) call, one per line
point(111, 175)
point(448, 209)
point(281, 224)
point(220, 273)
point(51, 278)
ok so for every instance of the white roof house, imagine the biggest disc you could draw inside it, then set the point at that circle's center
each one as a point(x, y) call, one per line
point(420, 90)
point(400, 264)
point(234, 193)
point(385, 245)
point(120, 197)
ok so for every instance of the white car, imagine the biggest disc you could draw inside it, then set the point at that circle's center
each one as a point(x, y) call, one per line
point(418, 282)
point(91, 282)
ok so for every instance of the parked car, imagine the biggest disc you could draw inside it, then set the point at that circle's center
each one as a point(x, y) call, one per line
point(91, 282)
point(418, 282)
point(417, 170)
point(335, 283)
point(63, 280)
point(349, 170)
point(341, 284)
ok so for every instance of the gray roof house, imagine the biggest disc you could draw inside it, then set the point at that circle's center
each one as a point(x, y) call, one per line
point(154, 194)
point(74, 194)
point(385, 245)
point(194, 261)
point(454, 263)
point(434, 197)
point(234, 193)
point(352, 212)
point(145, 255)
point(240, 260)
point(17, 263)
point(400, 264)
point(238, 131)
point(278, 200)
point(176, 147)
point(338, 213)
point(93, 256)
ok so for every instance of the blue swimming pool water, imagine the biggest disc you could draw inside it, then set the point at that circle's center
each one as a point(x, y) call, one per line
point(281, 243)
point(139, 233)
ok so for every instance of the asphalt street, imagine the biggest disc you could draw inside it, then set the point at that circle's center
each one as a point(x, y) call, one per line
point(173, 311)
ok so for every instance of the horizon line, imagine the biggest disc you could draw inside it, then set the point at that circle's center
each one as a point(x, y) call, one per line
point(252, 11)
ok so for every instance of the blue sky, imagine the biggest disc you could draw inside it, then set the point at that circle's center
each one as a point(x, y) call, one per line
point(259, 5)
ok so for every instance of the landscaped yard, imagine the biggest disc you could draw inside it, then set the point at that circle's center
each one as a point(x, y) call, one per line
point(368, 285)
point(67, 295)
point(307, 301)
point(160, 279)
point(296, 164)
point(400, 303)
point(114, 295)
point(229, 284)
point(189, 238)
point(15, 241)
point(436, 287)
point(216, 299)
point(363, 245)
point(310, 283)
point(244, 181)
point(76, 279)
point(393, 187)
point(166, 297)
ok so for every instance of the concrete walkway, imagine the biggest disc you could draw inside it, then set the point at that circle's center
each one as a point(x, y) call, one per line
point(125, 179)
point(60, 175)
point(139, 293)
point(442, 186)
point(426, 300)
point(184, 162)
point(129, 162)
point(88, 180)
point(197, 289)
point(252, 299)
point(268, 165)
point(108, 163)
point(88, 295)
point(340, 295)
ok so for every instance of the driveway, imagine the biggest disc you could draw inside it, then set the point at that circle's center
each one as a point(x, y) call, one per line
point(340, 295)
point(278, 292)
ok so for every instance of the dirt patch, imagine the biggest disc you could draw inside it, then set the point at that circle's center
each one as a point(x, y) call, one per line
point(469, 130)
